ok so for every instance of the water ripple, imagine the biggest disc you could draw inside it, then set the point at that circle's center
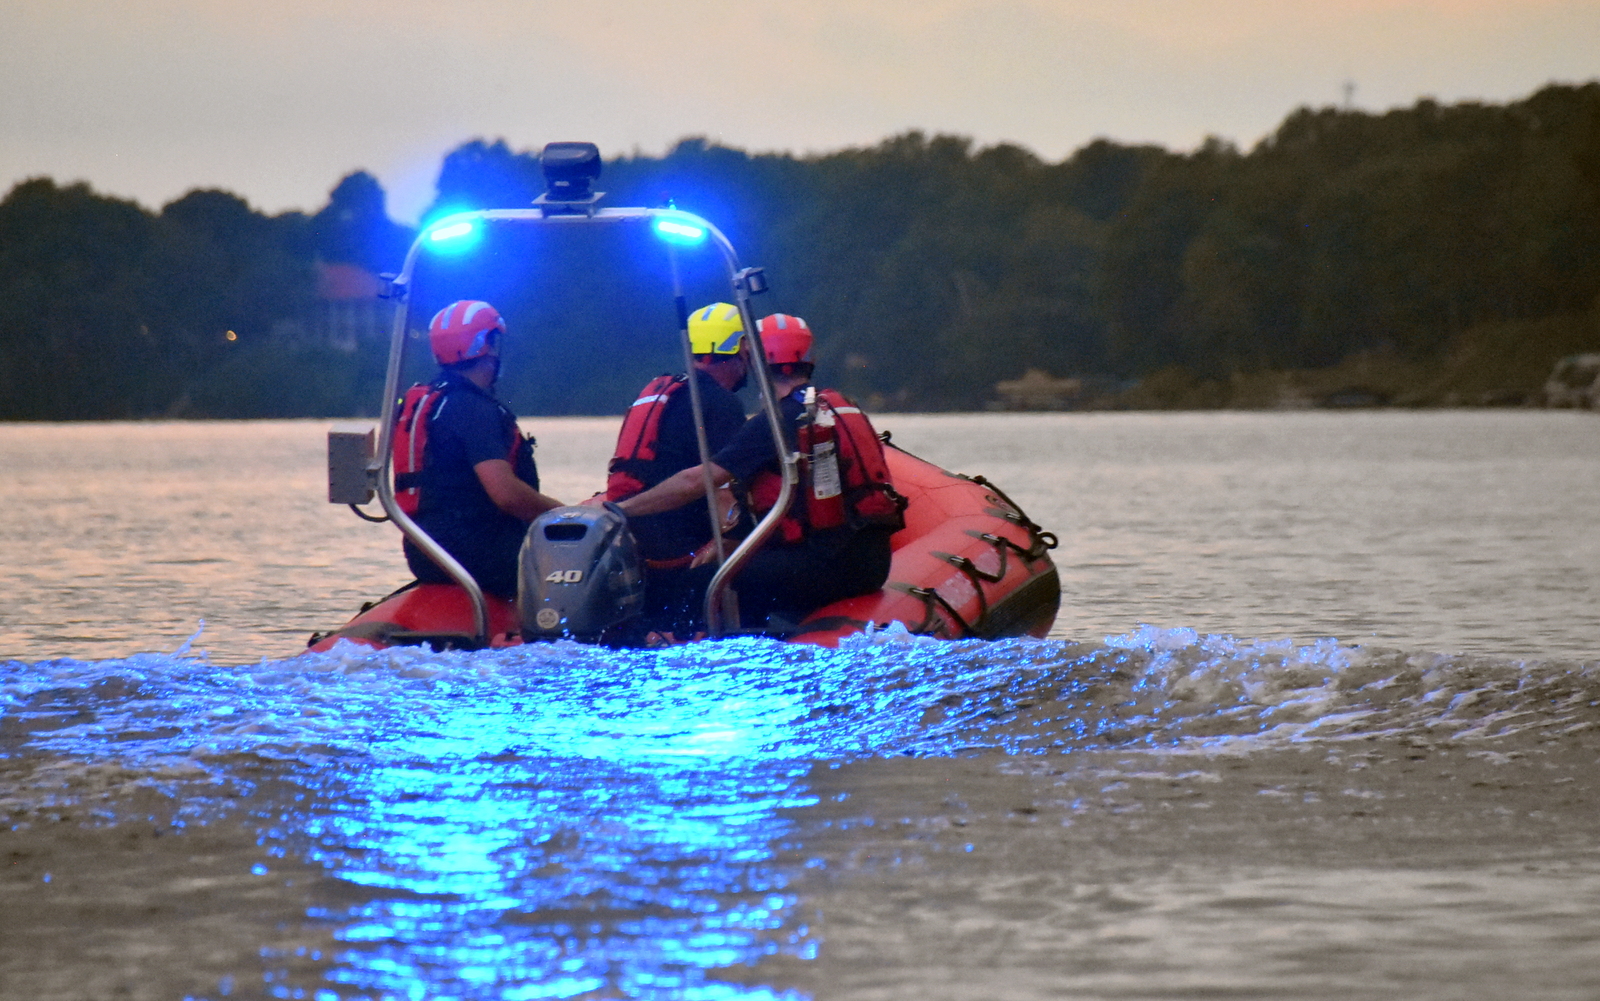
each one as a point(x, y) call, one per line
point(559, 820)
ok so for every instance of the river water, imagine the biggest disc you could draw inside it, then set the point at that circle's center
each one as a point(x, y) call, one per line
point(1320, 718)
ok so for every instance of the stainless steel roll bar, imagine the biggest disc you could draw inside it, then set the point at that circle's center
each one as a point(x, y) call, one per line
point(745, 282)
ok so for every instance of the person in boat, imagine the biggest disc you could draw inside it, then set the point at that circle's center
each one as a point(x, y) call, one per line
point(464, 471)
point(658, 439)
point(834, 541)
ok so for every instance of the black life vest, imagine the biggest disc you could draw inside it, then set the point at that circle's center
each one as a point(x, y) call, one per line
point(630, 470)
point(863, 482)
point(410, 442)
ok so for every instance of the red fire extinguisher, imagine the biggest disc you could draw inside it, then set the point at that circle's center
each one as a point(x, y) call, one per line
point(826, 506)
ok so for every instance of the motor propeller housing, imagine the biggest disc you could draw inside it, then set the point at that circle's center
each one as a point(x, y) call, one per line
point(580, 575)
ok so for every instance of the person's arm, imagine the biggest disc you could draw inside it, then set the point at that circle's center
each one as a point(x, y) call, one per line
point(511, 494)
point(675, 491)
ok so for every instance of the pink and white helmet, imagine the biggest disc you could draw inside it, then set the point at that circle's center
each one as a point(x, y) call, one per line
point(464, 330)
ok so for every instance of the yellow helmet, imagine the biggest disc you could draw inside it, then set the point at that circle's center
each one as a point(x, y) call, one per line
point(716, 329)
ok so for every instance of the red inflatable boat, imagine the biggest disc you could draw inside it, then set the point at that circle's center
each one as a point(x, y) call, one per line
point(968, 563)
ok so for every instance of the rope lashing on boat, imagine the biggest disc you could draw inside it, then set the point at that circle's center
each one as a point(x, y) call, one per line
point(1037, 536)
point(931, 623)
point(1039, 543)
point(977, 577)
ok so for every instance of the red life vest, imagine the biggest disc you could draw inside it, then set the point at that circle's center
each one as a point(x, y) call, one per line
point(636, 442)
point(834, 433)
point(410, 443)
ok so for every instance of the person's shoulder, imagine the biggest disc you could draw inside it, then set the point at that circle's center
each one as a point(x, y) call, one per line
point(668, 381)
point(470, 405)
point(467, 396)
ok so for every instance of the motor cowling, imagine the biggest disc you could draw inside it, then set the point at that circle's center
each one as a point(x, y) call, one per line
point(580, 575)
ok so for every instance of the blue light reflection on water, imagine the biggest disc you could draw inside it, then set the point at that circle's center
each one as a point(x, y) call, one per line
point(547, 821)
point(561, 821)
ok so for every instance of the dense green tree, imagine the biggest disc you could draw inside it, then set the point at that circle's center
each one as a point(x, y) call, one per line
point(73, 343)
point(222, 277)
point(929, 267)
point(355, 228)
point(484, 175)
point(107, 310)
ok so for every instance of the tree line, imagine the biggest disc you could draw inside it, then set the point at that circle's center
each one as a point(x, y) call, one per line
point(108, 310)
point(930, 268)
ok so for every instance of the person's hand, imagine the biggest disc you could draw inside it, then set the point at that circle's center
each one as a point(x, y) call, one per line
point(598, 500)
point(705, 554)
point(728, 508)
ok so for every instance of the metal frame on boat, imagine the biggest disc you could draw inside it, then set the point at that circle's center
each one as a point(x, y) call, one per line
point(968, 564)
point(569, 203)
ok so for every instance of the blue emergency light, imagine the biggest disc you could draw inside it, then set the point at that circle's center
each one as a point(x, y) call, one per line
point(679, 230)
point(450, 231)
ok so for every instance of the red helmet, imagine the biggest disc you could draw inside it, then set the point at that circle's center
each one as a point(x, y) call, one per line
point(462, 331)
point(786, 339)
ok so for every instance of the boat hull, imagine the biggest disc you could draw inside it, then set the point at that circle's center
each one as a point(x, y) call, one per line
point(968, 564)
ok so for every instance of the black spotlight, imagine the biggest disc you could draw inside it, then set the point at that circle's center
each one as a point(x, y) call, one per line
point(569, 170)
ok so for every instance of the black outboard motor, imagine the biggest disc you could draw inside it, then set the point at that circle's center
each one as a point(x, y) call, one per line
point(580, 575)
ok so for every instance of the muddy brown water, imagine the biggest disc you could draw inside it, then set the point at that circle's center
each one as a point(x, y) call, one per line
point(1321, 718)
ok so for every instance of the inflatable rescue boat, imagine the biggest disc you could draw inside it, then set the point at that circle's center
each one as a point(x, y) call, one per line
point(968, 563)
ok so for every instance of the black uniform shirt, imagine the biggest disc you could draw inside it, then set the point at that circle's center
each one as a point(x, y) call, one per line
point(750, 451)
point(468, 426)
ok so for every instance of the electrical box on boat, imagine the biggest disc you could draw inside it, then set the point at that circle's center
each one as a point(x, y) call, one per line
point(350, 451)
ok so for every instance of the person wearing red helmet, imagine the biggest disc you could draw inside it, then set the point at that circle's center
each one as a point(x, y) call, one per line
point(834, 541)
point(463, 469)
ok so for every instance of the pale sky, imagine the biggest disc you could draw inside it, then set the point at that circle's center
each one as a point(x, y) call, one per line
point(275, 101)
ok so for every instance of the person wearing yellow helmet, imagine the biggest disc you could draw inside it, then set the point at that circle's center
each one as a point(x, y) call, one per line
point(658, 439)
point(834, 541)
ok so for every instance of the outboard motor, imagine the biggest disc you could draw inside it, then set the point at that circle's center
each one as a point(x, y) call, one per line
point(580, 575)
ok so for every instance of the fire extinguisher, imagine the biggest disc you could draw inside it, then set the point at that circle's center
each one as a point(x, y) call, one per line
point(825, 508)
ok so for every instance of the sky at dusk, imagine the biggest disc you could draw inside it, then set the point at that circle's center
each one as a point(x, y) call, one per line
point(148, 99)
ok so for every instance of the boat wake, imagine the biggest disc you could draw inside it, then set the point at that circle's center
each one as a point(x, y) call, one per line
point(882, 693)
point(558, 820)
